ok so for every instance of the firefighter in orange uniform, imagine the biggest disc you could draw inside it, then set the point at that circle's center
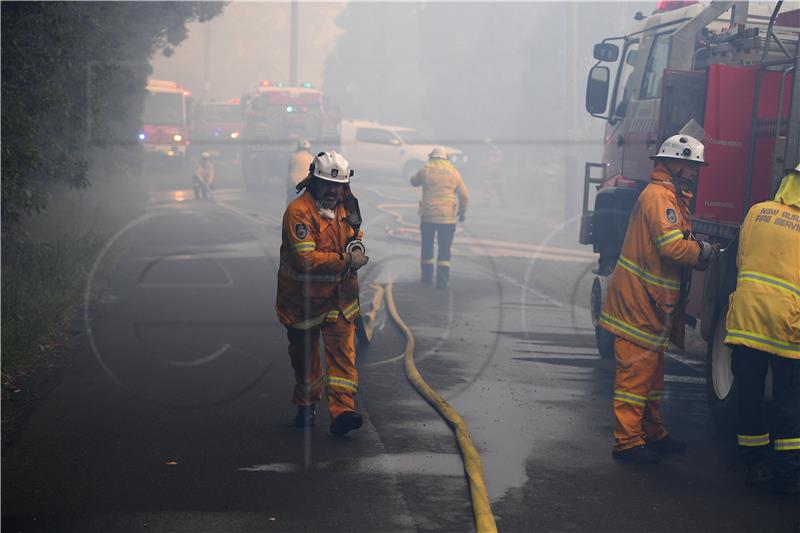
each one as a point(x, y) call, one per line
point(645, 302)
point(318, 292)
point(298, 168)
point(444, 200)
point(763, 327)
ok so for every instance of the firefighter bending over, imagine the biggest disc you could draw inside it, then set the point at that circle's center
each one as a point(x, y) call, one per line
point(318, 293)
point(203, 177)
point(298, 168)
point(646, 300)
point(763, 325)
point(444, 198)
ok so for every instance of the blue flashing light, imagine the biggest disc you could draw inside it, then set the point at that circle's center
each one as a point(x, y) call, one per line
point(289, 109)
point(142, 136)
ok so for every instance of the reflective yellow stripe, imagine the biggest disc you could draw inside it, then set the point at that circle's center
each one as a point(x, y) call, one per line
point(629, 397)
point(619, 325)
point(343, 383)
point(444, 263)
point(290, 273)
point(655, 395)
point(646, 276)
point(332, 316)
point(786, 445)
point(772, 281)
point(310, 323)
point(430, 261)
point(351, 310)
point(735, 336)
point(303, 246)
point(753, 440)
point(668, 237)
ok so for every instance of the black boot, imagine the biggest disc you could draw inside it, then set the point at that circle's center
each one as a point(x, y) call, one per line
point(347, 421)
point(637, 454)
point(427, 275)
point(306, 416)
point(667, 445)
point(442, 277)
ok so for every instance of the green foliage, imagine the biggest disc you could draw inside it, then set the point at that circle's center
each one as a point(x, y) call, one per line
point(73, 78)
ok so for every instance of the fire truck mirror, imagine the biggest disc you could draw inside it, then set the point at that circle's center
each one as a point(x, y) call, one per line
point(597, 90)
point(606, 52)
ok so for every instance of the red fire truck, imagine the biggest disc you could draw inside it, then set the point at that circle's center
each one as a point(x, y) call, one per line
point(276, 117)
point(165, 120)
point(730, 66)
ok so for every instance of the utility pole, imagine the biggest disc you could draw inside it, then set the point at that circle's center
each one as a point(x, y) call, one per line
point(206, 61)
point(293, 23)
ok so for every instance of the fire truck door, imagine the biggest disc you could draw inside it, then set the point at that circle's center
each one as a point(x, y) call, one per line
point(683, 98)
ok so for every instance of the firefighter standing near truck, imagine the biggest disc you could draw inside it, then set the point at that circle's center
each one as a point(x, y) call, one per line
point(203, 177)
point(645, 302)
point(763, 327)
point(318, 293)
point(444, 200)
point(298, 168)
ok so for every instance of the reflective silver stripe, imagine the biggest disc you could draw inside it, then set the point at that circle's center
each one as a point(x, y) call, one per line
point(310, 323)
point(652, 340)
point(787, 445)
point(311, 387)
point(629, 397)
point(428, 261)
point(350, 311)
point(648, 277)
point(444, 263)
point(344, 383)
point(751, 441)
point(758, 277)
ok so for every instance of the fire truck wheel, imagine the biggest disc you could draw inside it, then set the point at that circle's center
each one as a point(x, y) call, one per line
point(720, 385)
point(603, 338)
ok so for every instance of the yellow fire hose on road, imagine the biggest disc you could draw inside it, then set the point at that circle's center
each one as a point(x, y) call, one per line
point(481, 508)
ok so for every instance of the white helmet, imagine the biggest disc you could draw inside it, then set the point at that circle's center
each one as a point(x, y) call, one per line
point(303, 144)
point(331, 166)
point(438, 153)
point(205, 155)
point(682, 148)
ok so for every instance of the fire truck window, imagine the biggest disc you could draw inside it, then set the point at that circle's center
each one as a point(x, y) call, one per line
point(374, 135)
point(625, 81)
point(656, 63)
point(163, 109)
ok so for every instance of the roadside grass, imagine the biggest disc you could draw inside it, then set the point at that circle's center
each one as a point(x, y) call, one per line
point(41, 283)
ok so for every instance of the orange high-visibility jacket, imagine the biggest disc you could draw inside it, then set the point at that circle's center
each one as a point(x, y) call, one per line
point(205, 173)
point(314, 281)
point(298, 167)
point(764, 310)
point(444, 194)
point(643, 303)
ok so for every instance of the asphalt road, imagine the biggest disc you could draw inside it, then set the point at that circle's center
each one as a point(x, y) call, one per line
point(172, 413)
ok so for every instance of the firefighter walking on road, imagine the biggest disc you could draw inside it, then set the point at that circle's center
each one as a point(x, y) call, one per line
point(298, 168)
point(203, 177)
point(444, 200)
point(645, 302)
point(318, 292)
point(763, 327)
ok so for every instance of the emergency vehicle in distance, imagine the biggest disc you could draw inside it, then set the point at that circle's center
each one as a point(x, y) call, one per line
point(730, 66)
point(216, 128)
point(276, 117)
point(165, 120)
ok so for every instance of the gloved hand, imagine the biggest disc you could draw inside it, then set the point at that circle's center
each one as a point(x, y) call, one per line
point(708, 253)
point(462, 216)
point(358, 259)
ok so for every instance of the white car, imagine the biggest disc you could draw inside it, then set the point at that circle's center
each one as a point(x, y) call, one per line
point(388, 150)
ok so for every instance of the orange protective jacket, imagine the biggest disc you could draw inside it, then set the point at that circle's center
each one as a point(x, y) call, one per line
point(764, 310)
point(444, 194)
point(298, 167)
point(315, 283)
point(644, 303)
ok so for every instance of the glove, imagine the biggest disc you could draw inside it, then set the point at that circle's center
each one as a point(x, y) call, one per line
point(358, 259)
point(708, 253)
point(462, 217)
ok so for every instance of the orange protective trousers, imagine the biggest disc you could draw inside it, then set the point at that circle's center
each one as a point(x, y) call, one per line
point(340, 358)
point(638, 388)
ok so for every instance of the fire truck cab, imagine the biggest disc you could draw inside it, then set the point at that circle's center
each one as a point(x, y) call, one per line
point(731, 67)
point(165, 120)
